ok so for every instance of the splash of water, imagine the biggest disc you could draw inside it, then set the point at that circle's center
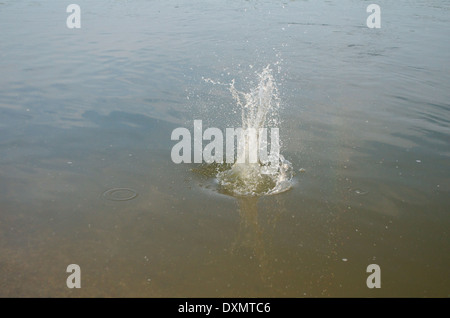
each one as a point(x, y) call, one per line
point(259, 109)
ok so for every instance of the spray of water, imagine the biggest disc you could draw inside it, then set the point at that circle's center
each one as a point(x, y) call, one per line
point(259, 109)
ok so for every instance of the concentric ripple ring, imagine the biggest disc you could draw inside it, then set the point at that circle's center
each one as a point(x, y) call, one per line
point(120, 194)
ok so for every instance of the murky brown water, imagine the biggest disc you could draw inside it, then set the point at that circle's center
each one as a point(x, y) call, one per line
point(364, 112)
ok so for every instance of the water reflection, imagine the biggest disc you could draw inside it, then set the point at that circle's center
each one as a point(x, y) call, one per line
point(255, 235)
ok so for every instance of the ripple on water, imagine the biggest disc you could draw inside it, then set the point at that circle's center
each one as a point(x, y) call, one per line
point(120, 194)
point(358, 191)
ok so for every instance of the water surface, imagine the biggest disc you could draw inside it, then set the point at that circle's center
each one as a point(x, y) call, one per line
point(364, 112)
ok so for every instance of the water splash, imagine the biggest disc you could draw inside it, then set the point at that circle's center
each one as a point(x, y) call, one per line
point(259, 109)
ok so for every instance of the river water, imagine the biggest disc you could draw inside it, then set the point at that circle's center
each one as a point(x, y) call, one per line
point(86, 175)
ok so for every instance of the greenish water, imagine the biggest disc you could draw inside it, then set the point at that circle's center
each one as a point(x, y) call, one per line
point(364, 112)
